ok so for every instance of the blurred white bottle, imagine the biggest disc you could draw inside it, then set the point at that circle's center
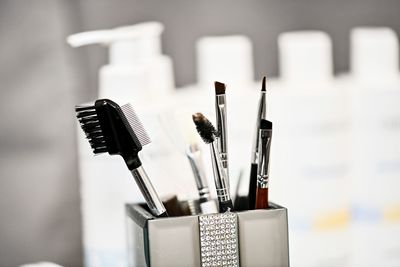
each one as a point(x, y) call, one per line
point(374, 84)
point(309, 164)
point(137, 73)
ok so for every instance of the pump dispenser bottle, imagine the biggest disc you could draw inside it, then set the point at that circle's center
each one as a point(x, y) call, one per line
point(374, 85)
point(136, 68)
point(309, 166)
point(138, 73)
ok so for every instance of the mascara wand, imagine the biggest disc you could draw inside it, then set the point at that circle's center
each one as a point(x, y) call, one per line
point(210, 135)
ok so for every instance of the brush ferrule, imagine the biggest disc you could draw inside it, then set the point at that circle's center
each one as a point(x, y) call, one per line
point(204, 194)
point(261, 114)
point(200, 177)
point(223, 195)
point(222, 128)
point(149, 193)
point(220, 177)
point(263, 157)
point(262, 181)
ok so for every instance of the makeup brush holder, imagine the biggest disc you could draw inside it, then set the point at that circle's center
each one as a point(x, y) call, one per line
point(243, 238)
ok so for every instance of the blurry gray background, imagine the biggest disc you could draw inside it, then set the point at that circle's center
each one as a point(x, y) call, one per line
point(41, 79)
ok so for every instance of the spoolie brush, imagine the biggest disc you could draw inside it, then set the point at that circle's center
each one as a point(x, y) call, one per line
point(210, 136)
point(117, 130)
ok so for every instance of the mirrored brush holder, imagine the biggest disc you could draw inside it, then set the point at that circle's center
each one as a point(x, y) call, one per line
point(241, 238)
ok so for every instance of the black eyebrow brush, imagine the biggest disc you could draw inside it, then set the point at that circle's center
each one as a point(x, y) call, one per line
point(118, 131)
point(210, 135)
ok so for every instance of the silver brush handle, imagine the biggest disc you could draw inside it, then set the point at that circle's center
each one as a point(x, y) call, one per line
point(220, 178)
point(261, 114)
point(222, 140)
point(199, 174)
point(149, 193)
point(263, 160)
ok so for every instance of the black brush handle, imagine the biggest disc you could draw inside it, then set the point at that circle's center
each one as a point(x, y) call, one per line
point(225, 206)
point(252, 186)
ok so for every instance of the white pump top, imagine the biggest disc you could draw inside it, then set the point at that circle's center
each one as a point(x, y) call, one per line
point(374, 53)
point(128, 44)
point(305, 56)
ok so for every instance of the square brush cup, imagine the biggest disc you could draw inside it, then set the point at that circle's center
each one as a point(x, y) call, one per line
point(262, 237)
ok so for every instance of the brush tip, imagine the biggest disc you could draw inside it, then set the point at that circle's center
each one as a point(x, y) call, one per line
point(263, 87)
point(265, 125)
point(198, 117)
point(219, 88)
point(205, 128)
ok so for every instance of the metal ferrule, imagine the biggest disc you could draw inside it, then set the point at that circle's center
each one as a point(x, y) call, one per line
point(261, 114)
point(220, 177)
point(148, 191)
point(220, 109)
point(193, 153)
point(263, 158)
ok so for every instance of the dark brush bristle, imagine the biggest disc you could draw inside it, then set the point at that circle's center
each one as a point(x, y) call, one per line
point(263, 87)
point(205, 128)
point(219, 88)
point(90, 124)
point(265, 125)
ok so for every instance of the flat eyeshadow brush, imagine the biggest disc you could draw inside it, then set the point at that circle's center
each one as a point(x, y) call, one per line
point(222, 127)
point(118, 131)
point(261, 114)
point(263, 164)
point(210, 135)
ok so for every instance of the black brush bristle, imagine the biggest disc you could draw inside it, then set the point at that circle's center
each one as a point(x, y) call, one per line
point(265, 125)
point(219, 88)
point(112, 129)
point(263, 87)
point(90, 124)
point(205, 128)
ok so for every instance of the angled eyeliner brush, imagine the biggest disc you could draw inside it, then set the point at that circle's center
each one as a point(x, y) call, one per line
point(210, 135)
point(222, 127)
point(118, 131)
point(261, 114)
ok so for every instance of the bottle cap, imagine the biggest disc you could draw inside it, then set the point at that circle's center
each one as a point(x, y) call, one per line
point(225, 58)
point(305, 56)
point(128, 44)
point(374, 53)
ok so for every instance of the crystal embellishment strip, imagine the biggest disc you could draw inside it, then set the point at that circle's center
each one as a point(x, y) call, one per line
point(219, 240)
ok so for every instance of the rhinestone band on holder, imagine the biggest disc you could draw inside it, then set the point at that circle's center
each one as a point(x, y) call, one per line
point(219, 240)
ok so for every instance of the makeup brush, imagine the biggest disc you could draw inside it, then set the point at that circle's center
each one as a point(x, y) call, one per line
point(118, 131)
point(222, 127)
point(210, 135)
point(207, 205)
point(263, 164)
point(186, 140)
point(261, 114)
